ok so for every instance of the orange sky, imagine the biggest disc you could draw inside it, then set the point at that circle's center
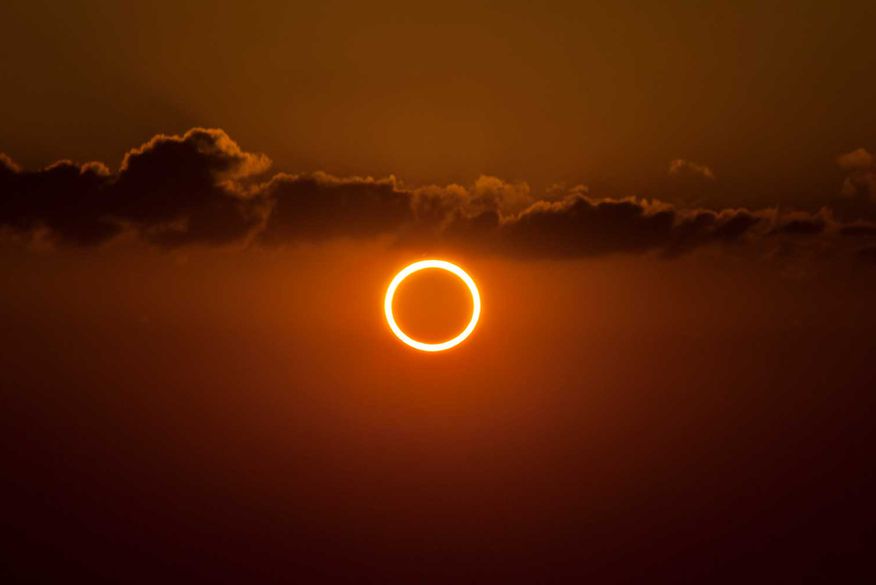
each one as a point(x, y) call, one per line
point(196, 402)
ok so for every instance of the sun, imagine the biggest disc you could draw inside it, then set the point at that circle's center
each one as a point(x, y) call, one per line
point(440, 265)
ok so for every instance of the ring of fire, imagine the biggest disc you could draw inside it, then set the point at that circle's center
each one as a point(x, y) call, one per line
point(441, 265)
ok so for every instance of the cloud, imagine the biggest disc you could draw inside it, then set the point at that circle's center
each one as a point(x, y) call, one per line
point(856, 160)
point(202, 188)
point(319, 206)
point(860, 228)
point(801, 223)
point(858, 194)
point(69, 200)
point(690, 184)
point(578, 226)
point(7, 165)
point(181, 189)
point(685, 168)
point(173, 190)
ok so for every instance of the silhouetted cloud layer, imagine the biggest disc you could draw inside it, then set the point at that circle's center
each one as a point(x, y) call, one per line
point(201, 188)
point(319, 206)
point(172, 190)
point(858, 195)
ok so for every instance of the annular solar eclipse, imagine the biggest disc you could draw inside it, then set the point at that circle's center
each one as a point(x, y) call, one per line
point(440, 265)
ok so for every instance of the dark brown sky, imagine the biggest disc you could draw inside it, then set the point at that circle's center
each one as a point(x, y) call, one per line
point(765, 93)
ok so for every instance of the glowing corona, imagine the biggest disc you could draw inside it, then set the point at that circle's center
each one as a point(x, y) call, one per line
point(423, 265)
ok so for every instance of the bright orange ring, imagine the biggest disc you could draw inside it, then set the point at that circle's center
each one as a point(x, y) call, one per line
point(422, 265)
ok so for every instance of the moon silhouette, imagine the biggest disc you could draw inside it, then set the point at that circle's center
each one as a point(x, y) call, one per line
point(424, 265)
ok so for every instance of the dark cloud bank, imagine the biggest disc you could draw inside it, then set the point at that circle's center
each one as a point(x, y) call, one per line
point(201, 188)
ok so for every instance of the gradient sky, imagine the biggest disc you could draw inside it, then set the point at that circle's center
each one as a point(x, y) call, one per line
point(765, 93)
point(670, 212)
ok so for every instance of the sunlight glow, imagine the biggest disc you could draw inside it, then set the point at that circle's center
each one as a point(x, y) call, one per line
point(442, 265)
